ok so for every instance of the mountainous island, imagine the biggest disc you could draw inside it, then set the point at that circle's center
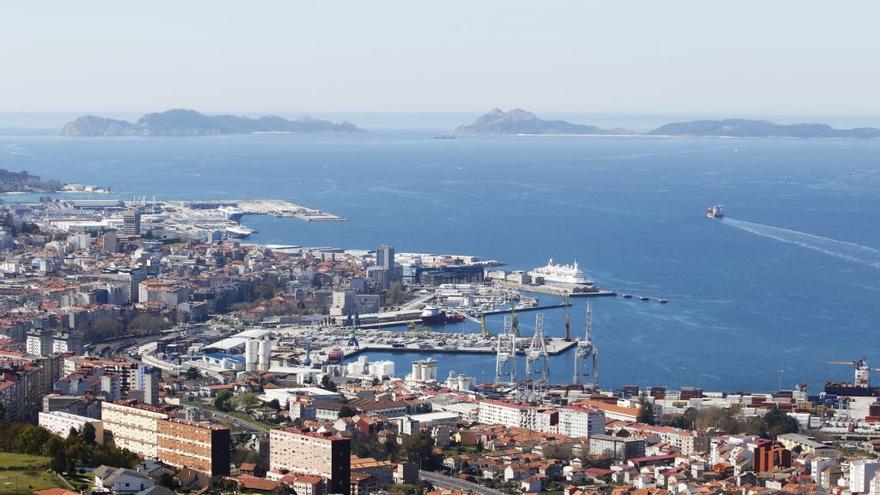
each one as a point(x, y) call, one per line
point(518, 121)
point(760, 128)
point(25, 182)
point(180, 122)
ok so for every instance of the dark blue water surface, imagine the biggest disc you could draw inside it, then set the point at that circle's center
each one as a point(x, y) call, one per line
point(789, 282)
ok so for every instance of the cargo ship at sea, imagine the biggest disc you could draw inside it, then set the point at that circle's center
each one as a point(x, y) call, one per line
point(564, 274)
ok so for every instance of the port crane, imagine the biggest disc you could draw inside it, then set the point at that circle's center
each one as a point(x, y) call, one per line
point(352, 336)
point(565, 304)
point(586, 356)
point(484, 328)
point(308, 359)
point(861, 369)
point(514, 322)
point(537, 360)
point(505, 353)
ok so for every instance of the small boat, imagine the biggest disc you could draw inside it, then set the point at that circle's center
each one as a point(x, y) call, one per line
point(716, 211)
point(644, 298)
point(662, 301)
point(627, 296)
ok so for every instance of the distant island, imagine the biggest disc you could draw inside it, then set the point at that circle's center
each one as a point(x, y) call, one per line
point(26, 183)
point(519, 121)
point(760, 128)
point(180, 122)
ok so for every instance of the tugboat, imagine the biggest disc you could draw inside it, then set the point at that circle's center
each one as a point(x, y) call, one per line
point(716, 211)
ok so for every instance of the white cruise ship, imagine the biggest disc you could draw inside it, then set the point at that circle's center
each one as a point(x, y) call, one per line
point(565, 274)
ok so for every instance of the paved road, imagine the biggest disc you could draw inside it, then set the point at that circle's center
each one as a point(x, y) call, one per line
point(236, 421)
point(448, 482)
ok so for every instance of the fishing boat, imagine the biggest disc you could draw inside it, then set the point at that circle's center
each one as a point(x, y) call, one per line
point(716, 211)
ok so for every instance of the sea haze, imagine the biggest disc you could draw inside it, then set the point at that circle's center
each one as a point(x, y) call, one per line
point(790, 281)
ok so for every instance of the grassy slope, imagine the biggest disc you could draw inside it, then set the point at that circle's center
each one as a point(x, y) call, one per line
point(23, 474)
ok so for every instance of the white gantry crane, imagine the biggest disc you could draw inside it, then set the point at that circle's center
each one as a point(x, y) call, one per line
point(505, 354)
point(537, 362)
point(586, 355)
point(861, 369)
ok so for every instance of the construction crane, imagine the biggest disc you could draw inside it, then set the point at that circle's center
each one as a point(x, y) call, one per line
point(484, 329)
point(505, 354)
point(862, 371)
point(514, 322)
point(537, 374)
point(415, 331)
point(352, 335)
point(565, 304)
point(308, 359)
point(586, 356)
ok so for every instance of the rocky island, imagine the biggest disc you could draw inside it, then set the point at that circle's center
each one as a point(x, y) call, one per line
point(522, 122)
point(760, 128)
point(518, 121)
point(179, 122)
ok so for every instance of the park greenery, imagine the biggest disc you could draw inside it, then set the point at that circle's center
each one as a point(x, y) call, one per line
point(65, 454)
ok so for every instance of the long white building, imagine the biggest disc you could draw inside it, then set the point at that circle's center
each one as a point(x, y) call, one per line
point(60, 423)
point(498, 412)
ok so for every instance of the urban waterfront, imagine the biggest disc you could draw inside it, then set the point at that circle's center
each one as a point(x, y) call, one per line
point(743, 304)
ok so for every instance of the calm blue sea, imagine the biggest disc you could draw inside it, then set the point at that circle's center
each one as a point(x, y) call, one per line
point(789, 281)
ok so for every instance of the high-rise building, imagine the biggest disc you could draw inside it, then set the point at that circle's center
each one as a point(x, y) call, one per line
point(201, 446)
point(770, 456)
point(110, 242)
point(579, 421)
point(294, 451)
point(131, 222)
point(150, 385)
point(385, 257)
point(133, 426)
point(39, 341)
point(861, 472)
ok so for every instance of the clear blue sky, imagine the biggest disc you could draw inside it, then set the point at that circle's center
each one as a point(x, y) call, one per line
point(766, 57)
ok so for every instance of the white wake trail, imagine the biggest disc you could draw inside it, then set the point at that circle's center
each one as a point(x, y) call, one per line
point(848, 251)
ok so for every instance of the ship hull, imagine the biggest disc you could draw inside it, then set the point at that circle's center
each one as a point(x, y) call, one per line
point(849, 390)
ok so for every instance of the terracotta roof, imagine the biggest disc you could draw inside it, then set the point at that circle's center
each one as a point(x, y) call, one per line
point(255, 483)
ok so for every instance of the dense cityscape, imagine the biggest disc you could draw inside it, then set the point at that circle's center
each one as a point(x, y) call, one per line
point(455, 247)
point(150, 348)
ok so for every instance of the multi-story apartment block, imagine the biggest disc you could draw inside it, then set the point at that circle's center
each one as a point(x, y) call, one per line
point(200, 446)
point(292, 450)
point(580, 421)
point(133, 426)
point(512, 415)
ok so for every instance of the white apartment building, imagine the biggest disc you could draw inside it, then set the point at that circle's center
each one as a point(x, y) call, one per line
point(498, 412)
point(133, 427)
point(580, 421)
point(861, 472)
point(60, 424)
point(547, 420)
